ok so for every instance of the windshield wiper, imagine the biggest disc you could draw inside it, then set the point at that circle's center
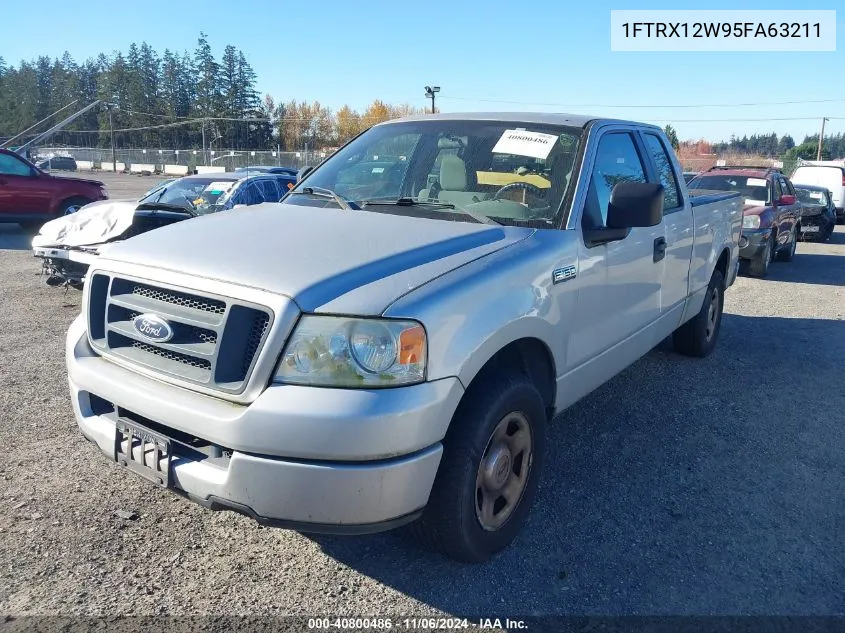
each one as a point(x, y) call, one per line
point(410, 202)
point(166, 206)
point(322, 192)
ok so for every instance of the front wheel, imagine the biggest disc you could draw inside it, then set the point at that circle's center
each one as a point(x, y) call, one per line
point(72, 206)
point(492, 458)
point(698, 336)
point(788, 253)
point(759, 267)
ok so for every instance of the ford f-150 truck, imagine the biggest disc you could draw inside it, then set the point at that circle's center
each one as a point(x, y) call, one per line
point(387, 344)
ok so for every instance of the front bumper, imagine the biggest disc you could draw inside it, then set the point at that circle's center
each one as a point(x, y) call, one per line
point(817, 224)
point(753, 242)
point(338, 460)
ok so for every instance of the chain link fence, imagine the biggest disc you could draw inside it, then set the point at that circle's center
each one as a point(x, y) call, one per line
point(190, 158)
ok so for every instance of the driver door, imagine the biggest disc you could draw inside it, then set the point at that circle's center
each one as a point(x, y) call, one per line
point(620, 294)
point(22, 192)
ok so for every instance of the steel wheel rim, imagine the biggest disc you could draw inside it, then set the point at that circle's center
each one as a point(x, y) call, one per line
point(712, 314)
point(503, 471)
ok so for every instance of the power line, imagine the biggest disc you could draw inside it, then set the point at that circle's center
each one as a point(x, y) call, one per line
point(796, 118)
point(616, 105)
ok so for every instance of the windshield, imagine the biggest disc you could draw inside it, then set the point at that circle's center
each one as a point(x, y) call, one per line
point(752, 189)
point(194, 194)
point(450, 169)
point(808, 196)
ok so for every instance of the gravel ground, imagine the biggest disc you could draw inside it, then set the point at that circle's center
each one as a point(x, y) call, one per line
point(681, 487)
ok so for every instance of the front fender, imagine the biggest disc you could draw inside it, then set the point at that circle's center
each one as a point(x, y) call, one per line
point(473, 312)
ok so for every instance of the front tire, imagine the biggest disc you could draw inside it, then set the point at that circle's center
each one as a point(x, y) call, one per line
point(759, 266)
point(697, 337)
point(788, 254)
point(72, 206)
point(492, 458)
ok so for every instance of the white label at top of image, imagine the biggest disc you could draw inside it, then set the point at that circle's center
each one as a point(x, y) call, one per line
point(524, 143)
point(723, 30)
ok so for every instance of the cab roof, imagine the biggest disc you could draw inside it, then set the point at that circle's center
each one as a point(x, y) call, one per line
point(543, 118)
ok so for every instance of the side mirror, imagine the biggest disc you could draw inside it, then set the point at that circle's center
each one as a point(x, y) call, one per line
point(303, 172)
point(632, 204)
point(635, 204)
point(787, 199)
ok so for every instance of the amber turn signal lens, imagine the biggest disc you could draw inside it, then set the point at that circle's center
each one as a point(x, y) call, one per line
point(412, 345)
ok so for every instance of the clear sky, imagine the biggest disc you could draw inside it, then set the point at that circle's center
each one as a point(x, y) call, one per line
point(542, 55)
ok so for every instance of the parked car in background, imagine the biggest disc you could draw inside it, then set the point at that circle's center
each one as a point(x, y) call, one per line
point(284, 175)
point(30, 196)
point(58, 163)
point(818, 215)
point(829, 175)
point(378, 349)
point(68, 245)
point(771, 224)
point(689, 175)
point(269, 169)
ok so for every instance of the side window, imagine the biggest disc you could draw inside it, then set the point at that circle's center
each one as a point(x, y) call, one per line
point(617, 160)
point(671, 198)
point(788, 188)
point(269, 190)
point(247, 195)
point(779, 190)
point(11, 166)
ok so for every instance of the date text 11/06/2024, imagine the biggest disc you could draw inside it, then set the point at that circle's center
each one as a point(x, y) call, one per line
point(418, 624)
point(721, 29)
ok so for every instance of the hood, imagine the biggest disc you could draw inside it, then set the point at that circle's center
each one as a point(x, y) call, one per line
point(92, 224)
point(85, 181)
point(327, 260)
point(754, 207)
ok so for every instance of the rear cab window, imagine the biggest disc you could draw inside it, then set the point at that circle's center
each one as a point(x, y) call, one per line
point(671, 199)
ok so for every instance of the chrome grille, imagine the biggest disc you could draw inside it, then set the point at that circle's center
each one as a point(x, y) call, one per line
point(215, 340)
point(178, 298)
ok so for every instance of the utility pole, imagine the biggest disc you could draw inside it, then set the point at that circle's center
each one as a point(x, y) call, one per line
point(821, 140)
point(204, 154)
point(110, 107)
point(430, 91)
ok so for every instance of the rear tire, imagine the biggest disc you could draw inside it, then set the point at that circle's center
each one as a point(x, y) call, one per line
point(487, 480)
point(788, 253)
point(697, 337)
point(759, 266)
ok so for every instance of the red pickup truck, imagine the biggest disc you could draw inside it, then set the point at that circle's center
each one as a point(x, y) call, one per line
point(31, 197)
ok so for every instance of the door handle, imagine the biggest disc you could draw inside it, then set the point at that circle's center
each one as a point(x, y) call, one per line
point(659, 249)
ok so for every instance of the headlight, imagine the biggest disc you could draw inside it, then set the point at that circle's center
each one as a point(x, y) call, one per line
point(751, 222)
point(344, 352)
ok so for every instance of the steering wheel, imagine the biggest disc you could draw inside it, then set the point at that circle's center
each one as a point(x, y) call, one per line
point(514, 186)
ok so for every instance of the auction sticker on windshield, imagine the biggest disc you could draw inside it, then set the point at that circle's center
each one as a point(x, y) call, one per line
point(524, 143)
point(219, 187)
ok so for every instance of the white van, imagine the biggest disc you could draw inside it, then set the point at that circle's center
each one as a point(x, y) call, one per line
point(825, 174)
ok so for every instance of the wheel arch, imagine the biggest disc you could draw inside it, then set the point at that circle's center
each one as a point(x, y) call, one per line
point(527, 355)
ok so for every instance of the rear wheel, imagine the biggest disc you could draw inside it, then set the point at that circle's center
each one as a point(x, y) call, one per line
point(492, 458)
point(698, 336)
point(786, 254)
point(759, 266)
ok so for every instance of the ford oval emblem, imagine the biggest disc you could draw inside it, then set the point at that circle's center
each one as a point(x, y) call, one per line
point(153, 327)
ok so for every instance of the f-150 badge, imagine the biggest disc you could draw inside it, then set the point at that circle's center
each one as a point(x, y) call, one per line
point(564, 274)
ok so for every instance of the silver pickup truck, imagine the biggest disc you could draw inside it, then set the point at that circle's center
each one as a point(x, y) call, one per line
point(388, 343)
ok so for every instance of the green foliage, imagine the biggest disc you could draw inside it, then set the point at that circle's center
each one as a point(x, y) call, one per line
point(808, 151)
point(673, 137)
point(149, 90)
